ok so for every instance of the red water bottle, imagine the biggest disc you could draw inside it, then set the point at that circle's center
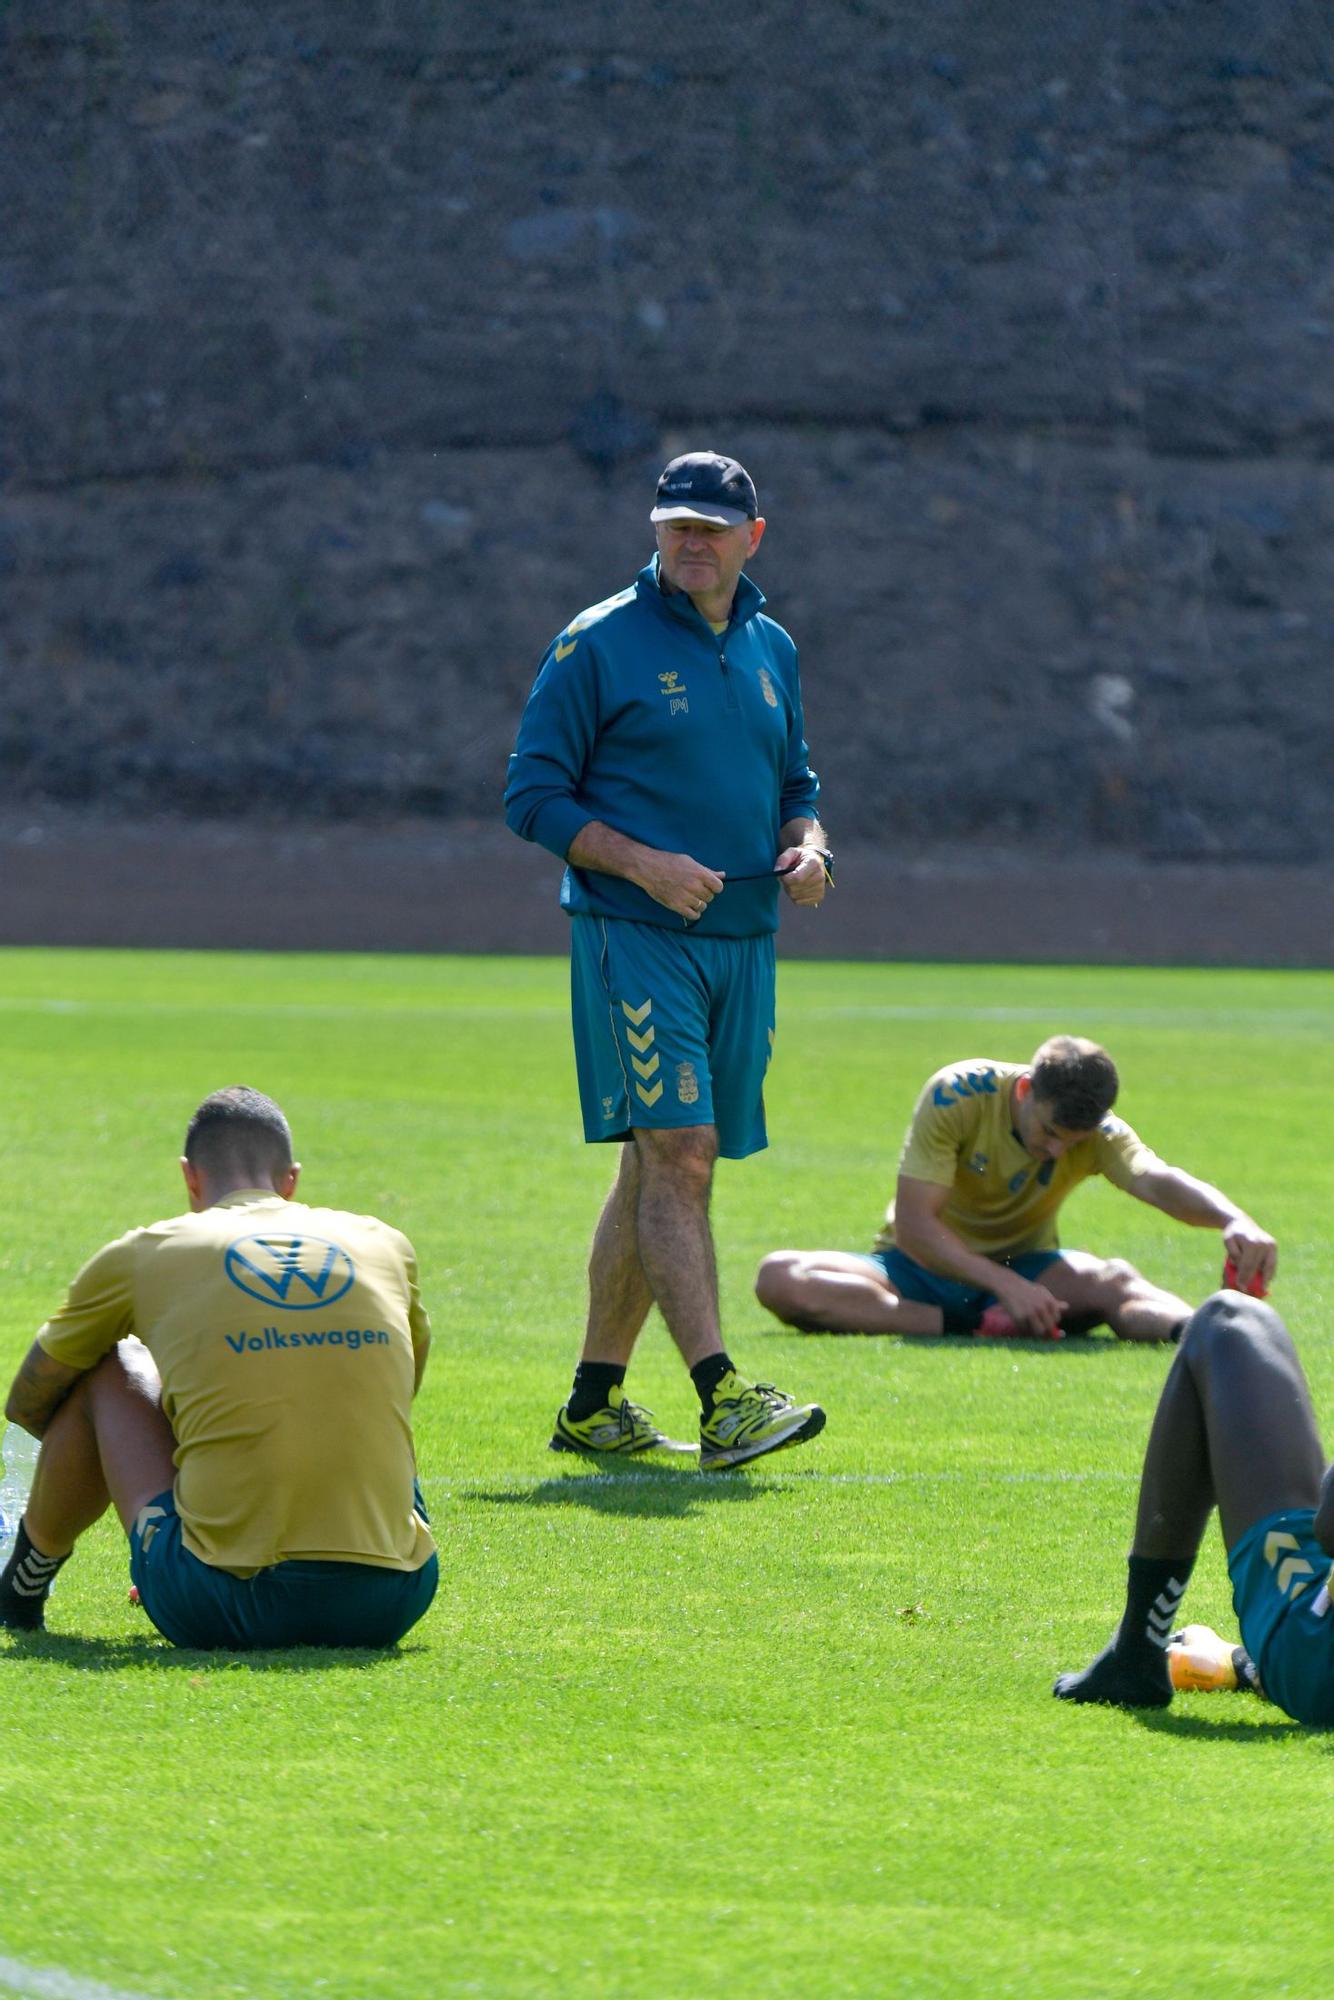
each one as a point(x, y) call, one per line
point(1257, 1289)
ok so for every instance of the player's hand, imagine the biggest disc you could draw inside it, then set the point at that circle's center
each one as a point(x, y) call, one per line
point(802, 874)
point(679, 883)
point(1252, 1249)
point(1032, 1307)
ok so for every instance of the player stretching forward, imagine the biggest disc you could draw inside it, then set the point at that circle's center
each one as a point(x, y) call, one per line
point(1235, 1430)
point(969, 1242)
point(237, 1383)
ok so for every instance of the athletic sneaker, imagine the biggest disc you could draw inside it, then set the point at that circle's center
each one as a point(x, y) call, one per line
point(1201, 1659)
point(621, 1429)
point(16, 1616)
point(750, 1418)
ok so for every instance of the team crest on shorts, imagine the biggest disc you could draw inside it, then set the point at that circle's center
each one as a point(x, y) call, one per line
point(607, 1106)
point(767, 687)
point(687, 1084)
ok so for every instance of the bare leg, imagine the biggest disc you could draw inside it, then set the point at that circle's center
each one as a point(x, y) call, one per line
point(618, 1292)
point(1234, 1428)
point(675, 1241)
point(1110, 1289)
point(835, 1291)
point(108, 1443)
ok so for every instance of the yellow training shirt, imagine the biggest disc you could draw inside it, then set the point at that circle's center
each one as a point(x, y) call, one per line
point(285, 1337)
point(1002, 1201)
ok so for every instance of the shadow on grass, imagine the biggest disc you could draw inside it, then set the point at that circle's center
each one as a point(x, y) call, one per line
point(1084, 1344)
point(643, 1489)
point(1171, 1722)
point(149, 1650)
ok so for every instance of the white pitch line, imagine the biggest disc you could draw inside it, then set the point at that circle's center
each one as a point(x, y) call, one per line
point(43, 1982)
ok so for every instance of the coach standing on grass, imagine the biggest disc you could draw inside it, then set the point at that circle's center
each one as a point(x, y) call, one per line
point(237, 1382)
point(662, 757)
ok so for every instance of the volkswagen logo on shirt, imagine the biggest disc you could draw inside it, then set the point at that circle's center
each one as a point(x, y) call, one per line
point(298, 1273)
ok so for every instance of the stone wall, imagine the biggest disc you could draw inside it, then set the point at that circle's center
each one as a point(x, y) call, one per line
point(342, 344)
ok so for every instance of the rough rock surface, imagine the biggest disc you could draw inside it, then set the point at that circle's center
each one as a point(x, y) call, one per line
point(341, 346)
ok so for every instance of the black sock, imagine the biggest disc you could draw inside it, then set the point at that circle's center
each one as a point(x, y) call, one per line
point(593, 1384)
point(26, 1584)
point(1131, 1670)
point(706, 1375)
point(1154, 1592)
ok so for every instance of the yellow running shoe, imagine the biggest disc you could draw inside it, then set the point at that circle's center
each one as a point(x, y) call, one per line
point(750, 1418)
point(1201, 1660)
point(620, 1430)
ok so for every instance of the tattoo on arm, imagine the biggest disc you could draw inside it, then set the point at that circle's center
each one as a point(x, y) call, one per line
point(38, 1390)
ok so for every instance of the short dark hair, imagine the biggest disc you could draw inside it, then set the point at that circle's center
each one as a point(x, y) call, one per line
point(1076, 1081)
point(239, 1131)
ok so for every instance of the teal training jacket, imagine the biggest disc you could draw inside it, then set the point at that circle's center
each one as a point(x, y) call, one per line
point(643, 717)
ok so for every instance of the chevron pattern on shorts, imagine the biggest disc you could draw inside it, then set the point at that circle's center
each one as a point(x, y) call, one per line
point(645, 1061)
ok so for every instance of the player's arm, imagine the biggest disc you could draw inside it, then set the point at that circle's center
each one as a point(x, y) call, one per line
point(922, 1233)
point(419, 1320)
point(557, 737)
point(677, 881)
point(97, 1312)
point(557, 741)
point(802, 860)
point(1202, 1206)
point(38, 1390)
point(803, 863)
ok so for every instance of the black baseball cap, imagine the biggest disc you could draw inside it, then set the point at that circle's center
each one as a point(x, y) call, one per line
point(704, 486)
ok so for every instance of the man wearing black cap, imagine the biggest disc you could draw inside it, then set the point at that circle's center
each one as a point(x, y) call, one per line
point(662, 757)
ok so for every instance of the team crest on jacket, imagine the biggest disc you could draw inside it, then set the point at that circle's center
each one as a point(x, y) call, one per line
point(767, 687)
point(687, 1083)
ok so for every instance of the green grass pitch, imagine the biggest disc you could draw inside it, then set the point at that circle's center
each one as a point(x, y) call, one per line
point(786, 1732)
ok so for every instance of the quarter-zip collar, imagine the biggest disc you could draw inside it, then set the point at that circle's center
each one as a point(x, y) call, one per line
point(676, 604)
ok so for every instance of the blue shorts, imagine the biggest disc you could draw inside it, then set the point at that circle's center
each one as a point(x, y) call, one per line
point(671, 1029)
point(1279, 1573)
point(293, 1604)
point(912, 1280)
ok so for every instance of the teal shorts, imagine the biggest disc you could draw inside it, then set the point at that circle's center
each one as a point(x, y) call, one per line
point(671, 1029)
point(912, 1280)
point(293, 1604)
point(1279, 1573)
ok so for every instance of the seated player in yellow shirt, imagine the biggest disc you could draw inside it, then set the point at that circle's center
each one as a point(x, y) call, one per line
point(969, 1242)
point(237, 1382)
